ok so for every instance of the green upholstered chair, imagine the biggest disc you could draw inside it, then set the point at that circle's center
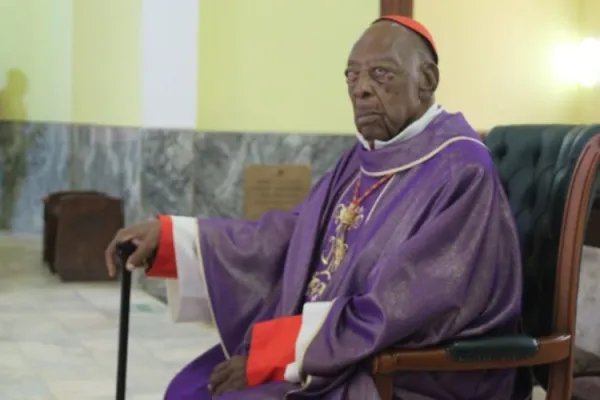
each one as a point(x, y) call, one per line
point(549, 173)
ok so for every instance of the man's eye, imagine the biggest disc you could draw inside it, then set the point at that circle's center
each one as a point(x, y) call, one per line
point(351, 76)
point(380, 72)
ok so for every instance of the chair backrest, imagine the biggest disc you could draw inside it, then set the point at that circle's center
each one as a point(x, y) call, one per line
point(536, 164)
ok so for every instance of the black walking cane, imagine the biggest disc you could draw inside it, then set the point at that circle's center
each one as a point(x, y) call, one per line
point(124, 250)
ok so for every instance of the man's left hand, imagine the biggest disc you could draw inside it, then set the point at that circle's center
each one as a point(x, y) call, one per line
point(229, 376)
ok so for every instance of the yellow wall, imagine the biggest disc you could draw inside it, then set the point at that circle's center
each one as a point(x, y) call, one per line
point(277, 66)
point(497, 58)
point(498, 62)
point(589, 98)
point(35, 46)
point(106, 62)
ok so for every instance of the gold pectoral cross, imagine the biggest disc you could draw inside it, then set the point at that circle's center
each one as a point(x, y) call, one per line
point(347, 218)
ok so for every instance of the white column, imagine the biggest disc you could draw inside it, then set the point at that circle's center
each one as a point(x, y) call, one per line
point(169, 63)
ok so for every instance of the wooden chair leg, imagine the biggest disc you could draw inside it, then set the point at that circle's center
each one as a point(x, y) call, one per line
point(385, 386)
point(560, 380)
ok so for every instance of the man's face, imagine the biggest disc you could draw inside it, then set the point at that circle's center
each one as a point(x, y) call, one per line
point(383, 77)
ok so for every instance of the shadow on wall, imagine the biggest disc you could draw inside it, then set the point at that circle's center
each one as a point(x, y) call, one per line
point(12, 96)
point(14, 143)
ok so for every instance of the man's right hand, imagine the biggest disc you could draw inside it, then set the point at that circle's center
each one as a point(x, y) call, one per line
point(145, 236)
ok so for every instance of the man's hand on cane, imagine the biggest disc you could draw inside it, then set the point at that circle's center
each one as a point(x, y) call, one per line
point(145, 236)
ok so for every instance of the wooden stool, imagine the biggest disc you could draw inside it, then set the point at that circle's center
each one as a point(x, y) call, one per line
point(51, 223)
point(77, 228)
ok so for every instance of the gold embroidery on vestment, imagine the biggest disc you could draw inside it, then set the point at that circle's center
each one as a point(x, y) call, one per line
point(347, 217)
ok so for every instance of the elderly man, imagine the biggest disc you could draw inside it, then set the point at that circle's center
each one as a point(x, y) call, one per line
point(408, 241)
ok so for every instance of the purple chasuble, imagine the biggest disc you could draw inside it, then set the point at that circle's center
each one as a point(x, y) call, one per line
point(434, 259)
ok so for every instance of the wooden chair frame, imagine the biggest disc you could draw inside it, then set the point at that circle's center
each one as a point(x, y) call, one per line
point(556, 350)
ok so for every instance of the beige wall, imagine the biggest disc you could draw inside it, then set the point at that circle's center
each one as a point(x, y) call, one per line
point(106, 62)
point(277, 66)
point(588, 106)
point(497, 58)
point(498, 62)
point(35, 60)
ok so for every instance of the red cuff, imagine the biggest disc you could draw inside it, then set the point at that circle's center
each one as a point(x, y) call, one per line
point(165, 264)
point(272, 349)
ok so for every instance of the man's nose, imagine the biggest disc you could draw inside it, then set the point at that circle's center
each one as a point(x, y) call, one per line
point(363, 88)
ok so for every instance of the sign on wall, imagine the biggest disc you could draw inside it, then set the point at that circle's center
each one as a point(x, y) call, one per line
point(274, 187)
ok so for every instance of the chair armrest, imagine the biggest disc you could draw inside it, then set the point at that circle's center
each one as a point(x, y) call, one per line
point(477, 354)
point(496, 348)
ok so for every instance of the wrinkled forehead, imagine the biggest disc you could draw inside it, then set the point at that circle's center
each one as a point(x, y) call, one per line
point(382, 39)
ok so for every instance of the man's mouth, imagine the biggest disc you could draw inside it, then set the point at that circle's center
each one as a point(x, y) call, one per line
point(367, 118)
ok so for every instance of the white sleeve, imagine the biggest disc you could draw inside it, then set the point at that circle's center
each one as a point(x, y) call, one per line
point(187, 295)
point(313, 317)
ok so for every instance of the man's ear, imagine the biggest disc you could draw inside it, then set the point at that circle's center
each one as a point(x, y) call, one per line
point(429, 80)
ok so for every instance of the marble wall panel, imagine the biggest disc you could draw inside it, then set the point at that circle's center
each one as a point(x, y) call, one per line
point(220, 160)
point(154, 171)
point(166, 172)
point(34, 161)
point(325, 150)
point(109, 160)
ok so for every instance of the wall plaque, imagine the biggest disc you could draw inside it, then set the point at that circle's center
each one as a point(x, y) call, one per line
point(274, 187)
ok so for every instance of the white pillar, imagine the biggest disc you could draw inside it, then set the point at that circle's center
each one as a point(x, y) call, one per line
point(169, 63)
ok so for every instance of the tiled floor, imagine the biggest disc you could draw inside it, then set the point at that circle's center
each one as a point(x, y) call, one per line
point(59, 341)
